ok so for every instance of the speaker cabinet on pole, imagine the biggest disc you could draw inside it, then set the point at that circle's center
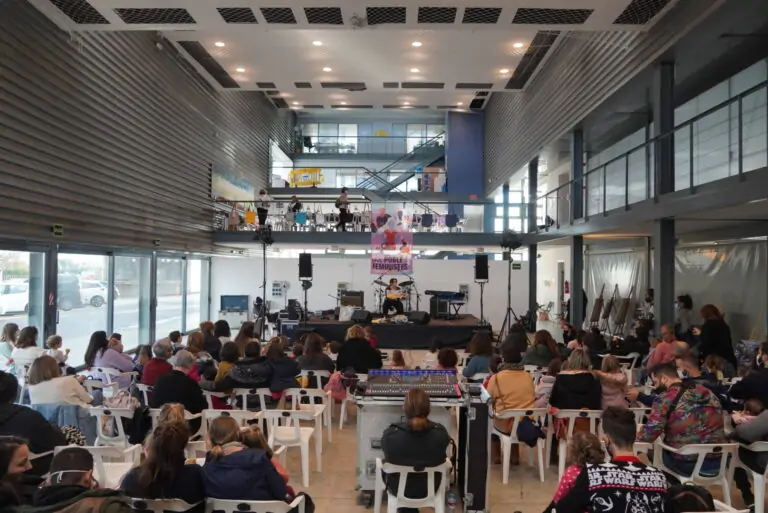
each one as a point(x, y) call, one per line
point(305, 266)
point(481, 267)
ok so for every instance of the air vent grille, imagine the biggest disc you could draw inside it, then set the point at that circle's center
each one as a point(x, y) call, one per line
point(278, 15)
point(384, 15)
point(313, 107)
point(351, 106)
point(280, 103)
point(155, 16)
point(477, 103)
point(237, 14)
point(474, 85)
point(209, 64)
point(324, 15)
point(437, 14)
point(81, 12)
point(391, 85)
point(266, 85)
point(357, 86)
point(525, 16)
point(535, 53)
point(481, 15)
point(640, 12)
point(422, 85)
point(303, 85)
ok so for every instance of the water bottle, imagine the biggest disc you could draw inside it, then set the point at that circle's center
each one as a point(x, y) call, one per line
point(451, 502)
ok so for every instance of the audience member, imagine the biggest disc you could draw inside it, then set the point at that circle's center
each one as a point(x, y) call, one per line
point(543, 351)
point(625, 483)
point(282, 370)
point(297, 350)
point(613, 381)
point(314, 358)
point(142, 356)
point(357, 353)
point(164, 474)
point(158, 365)
point(546, 382)
point(715, 335)
point(593, 345)
point(417, 442)
point(665, 349)
point(480, 351)
point(54, 343)
point(206, 367)
point(18, 420)
point(230, 354)
point(684, 413)
point(430, 357)
point(683, 322)
point(752, 409)
point(253, 438)
point(72, 487)
point(755, 384)
point(250, 372)
point(714, 367)
point(246, 334)
point(575, 387)
point(212, 344)
point(178, 387)
point(175, 338)
point(7, 345)
point(368, 330)
point(517, 340)
point(16, 487)
point(222, 332)
point(584, 449)
point(26, 350)
point(747, 433)
point(447, 359)
point(99, 354)
point(511, 388)
point(116, 343)
point(569, 332)
point(171, 413)
point(48, 386)
point(398, 360)
point(234, 472)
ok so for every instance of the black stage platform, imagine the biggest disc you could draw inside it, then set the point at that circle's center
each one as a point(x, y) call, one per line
point(456, 333)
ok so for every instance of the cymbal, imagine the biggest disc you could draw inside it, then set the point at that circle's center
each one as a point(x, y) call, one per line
point(407, 283)
point(379, 283)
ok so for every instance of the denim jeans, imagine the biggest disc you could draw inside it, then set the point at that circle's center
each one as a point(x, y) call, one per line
point(685, 467)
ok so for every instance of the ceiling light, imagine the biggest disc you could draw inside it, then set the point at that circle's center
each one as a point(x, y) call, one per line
point(343, 103)
point(220, 44)
point(327, 69)
point(460, 104)
point(240, 70)
point(295, 103)
point(317, 43)
point(503, 71)
point(406, 103)
point(415, 70)
point(518, 45)
point(416, 44)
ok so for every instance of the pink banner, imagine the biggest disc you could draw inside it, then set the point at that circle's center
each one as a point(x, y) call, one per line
point(391, 252)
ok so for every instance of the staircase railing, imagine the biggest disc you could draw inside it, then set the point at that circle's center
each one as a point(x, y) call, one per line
point(376, 177)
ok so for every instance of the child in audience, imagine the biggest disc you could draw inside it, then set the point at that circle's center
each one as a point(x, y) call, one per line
point(398, 360)
point(54, 344)
point(585, 449)
point(614, 382)
point(447, 359)
point(297, 350)
point(368, 330)
point(334, 347)
point(253, 438)
point(547, 381)
point(752, 408)
point(430, 359)
point(229, 355)
point(713, 367)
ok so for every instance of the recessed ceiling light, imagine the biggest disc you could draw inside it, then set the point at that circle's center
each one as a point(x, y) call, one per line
point(503, 71)
point(317, 43)
point(240, 70)
point(415, 70)
point(220, 44)
point(327, 69)
point(416, 44)
point(518, 45)
point(343, 103)
point(406, 103)
point(295, 103)
point(460, 104)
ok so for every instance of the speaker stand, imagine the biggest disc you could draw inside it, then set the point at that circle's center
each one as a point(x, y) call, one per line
point(482, 321)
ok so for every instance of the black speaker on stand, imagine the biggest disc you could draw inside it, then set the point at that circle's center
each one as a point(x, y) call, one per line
point(305, 276)
point(481, 278)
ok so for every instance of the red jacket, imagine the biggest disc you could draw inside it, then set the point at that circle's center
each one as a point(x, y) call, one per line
point(153, 369)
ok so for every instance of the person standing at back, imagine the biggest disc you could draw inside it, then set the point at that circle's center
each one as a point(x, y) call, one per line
point(715, 336)
point(342, 203)
point(7, 345)
point(262, 207)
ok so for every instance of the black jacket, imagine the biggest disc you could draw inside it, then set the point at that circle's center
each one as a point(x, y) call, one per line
point(258, 372)
point(26, 423)
point(212, 345)
point(753, 386)
point(576, 391)
point(715, 339)
point(177, 387)
point(187, 486)
point(404, 446)
point(66, 497)
point(358, 354)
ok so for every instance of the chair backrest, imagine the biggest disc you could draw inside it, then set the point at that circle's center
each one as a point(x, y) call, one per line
point(431, 472)
point(318, 376)
point(111, 375)
point(145, 390)
point(640, 413)
point(535, 414)
point(262, 393)
point(161, 505)
point(210, 395)
point(222, 506)
point(154, 414)
point(96, 384)
point(285, 419)
point(727, 451)
point(479, 377)
point(108, 454)
point(532, 369)
point(573, 415)
point(298, 396)
point(117, 414)
point(243, 417)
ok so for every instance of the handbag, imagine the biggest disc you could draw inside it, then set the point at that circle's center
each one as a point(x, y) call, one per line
point(529, 432)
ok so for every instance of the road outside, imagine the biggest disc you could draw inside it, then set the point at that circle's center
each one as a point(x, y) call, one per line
point(76, 326)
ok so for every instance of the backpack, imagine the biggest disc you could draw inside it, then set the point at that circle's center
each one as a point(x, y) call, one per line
point(688, 497)
point(140, 426)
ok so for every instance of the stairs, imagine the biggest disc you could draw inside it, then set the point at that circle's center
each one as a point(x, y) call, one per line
point(421, 156)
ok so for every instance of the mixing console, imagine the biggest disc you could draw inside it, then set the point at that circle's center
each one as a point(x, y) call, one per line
point(396, 383)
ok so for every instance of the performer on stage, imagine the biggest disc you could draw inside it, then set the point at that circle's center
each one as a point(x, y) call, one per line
point(393, 299)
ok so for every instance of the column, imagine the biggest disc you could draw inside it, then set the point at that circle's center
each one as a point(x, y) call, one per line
point(110, 292)
point(533, 186)
point(663, 124)
point(577, 173)
point(51, 295)
point(489, 217)
point(37, 300)
point(663, 238)
point(147, 294)
point(577, 281)
point(505, 203)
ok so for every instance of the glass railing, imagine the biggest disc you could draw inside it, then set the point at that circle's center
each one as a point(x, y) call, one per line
point(423, 154)
point(367, 145)
point(322, 215)
point(728, 140)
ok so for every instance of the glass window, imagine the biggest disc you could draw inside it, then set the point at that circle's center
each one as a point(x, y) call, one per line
point(197, 281)
point(513, 211)
point(21, 290)
point(516, 224)
point(169, 296)
point(328, 141)
point(309, 130)
point(82, 301)
point(498, 225)
point(416, 135)
point(515, 196)
point(348, 138)
point(499, 211)
point(127, 318)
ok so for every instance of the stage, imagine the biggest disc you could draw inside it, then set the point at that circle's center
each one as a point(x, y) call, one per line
point(454, 333)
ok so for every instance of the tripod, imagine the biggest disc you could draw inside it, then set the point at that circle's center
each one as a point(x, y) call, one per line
point(482, 321)
point(265, 237)
point(305, 285)
point(510, 316)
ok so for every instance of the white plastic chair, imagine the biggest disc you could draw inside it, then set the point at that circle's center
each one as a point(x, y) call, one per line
point(113, 375)
point(222, 506)
point(571, 416)
point(108, 390)
point(117, 415)
point(538, 415)
point(640, 412)
point(758, 479)
point(321, 412)
point(435, 495)
point(285, 429)
point(348, 399)
point(317, 376)
point(724, 474)
point(145, 390)
point(154, 414)
point(210, 395)
point(110, 463)
point(244, 418)
point(262, 393)
point(161, 505)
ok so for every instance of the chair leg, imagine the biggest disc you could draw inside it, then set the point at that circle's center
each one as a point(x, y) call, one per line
point(329, 422)
point(539, 448)
point(548, 445)
point(506, 452)
point(378, 491)
point(305, 464)
point(562, 447)
point(530, 455)
point(319, 430)
point(318, 436)
point(726, 491)
point(391, 503)
point(343, 413)
point(759, 485)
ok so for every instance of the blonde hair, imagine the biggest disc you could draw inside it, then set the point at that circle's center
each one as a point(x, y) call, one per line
point(54, 341)
point(171, 412)
point(578, 360)
point(611, 365)
point(355, 331)
point(44, 368)
point(223, 430)
point(195, 342)
point(253, 438)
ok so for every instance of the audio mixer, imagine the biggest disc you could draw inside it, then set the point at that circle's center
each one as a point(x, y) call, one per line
point(397, 383)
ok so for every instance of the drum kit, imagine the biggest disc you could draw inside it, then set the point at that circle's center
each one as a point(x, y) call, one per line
point(407, 289)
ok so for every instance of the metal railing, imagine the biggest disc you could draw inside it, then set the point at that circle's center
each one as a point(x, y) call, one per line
point(428, 150)
point(366, 145)
point(729, 139)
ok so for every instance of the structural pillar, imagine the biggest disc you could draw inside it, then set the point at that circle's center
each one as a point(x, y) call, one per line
point(505, 202)
point(533, 187)
point(664, 125)
point(51, 294)
point(577, 174)
point(663, 238)
point(577, 281)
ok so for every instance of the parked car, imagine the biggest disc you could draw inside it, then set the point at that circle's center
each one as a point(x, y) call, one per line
point(93, 293)
point(106, 285)
point(14, 297)
point(68, 292)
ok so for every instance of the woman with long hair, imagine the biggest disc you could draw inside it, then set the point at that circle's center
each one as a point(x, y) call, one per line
point(543, 350)
point(314, 358)
point(164, 474)
point(7, 344)
point(211, 342)
point(715, 336)
point(14, 462)
point(48, 386)
point(26, 350)
point(246, 334)
point(233, 471)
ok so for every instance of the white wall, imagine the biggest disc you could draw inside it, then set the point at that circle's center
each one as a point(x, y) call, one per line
point(244, 276)
point(546, 274)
